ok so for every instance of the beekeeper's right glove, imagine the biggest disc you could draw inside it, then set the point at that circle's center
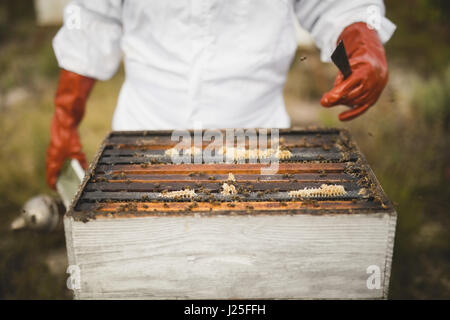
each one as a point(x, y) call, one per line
point(70, 101)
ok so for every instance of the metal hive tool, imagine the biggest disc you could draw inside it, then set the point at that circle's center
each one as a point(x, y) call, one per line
point(131, 174)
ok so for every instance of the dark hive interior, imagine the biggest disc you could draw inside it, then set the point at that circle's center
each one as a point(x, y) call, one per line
point(132, 176)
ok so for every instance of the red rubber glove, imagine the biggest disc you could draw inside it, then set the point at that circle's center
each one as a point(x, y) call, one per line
point(369, 72)
point(70, 101)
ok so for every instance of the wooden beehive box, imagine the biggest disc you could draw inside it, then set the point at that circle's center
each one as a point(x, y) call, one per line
point(129, 239)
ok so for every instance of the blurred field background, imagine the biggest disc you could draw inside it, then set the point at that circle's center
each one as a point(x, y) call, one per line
point(405, 138)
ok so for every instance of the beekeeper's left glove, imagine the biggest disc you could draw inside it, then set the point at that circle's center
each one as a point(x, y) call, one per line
point(369, 72)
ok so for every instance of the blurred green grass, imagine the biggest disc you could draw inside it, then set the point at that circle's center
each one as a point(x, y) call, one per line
point(404, 138)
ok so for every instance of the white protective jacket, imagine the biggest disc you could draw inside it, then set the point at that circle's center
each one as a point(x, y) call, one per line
point(217, 63)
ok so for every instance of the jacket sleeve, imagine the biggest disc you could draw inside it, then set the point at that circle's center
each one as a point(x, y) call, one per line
point(88, 43)
point(326, 19)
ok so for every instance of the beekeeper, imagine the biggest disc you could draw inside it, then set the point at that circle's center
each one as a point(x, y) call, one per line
point(221, 63)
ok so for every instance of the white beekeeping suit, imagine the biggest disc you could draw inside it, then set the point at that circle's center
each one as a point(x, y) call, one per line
point(221, 63)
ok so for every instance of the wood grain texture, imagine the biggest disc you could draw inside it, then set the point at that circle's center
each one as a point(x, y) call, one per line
point(249, 168)
point(254, 208)
point(241, 257)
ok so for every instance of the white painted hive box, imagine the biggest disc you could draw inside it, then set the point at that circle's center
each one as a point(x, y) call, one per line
point(128, 239)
